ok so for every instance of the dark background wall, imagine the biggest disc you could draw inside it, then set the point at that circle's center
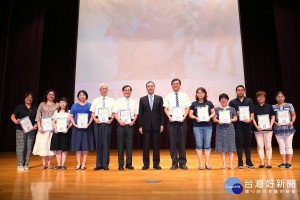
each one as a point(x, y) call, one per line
point(38, 40)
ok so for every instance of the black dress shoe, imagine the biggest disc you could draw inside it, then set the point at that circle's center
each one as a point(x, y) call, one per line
point(106, 168)
point(145, 167)
point(173, 167)
point(130, 167)
point(183, 166)
point(121, 168)
point(97, 168)
point(156, 167)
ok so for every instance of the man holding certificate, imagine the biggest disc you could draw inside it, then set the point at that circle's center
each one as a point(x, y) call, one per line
point(176, 107)
point(151, 121)
point(102, 114)
point(243, 127)
point(125, 111)
point(264, 117)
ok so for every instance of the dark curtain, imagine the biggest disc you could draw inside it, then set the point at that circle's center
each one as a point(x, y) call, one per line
point(38, 51)
point(287, 18)
point(22, 28)
point(39, 40)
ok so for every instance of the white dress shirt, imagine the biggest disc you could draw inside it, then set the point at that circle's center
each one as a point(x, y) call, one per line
point(121, 104)
point(98, 102)
point(170, 101)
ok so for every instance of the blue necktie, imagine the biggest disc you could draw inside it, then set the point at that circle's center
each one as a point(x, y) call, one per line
point(151, 102)
point(177, 100)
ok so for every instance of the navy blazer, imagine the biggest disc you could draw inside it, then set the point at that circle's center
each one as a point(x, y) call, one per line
point(151, 118)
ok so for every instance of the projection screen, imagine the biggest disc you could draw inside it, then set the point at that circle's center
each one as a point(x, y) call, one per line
point(131, 42)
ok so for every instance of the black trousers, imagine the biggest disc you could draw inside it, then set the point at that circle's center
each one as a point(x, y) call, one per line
point(102, 136)
point(243, 136)
point(147, 134)
point(125, 136)
point(177, 135)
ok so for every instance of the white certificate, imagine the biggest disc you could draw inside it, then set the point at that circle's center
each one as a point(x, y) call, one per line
point(202, 113)
point(47, 124)
point(264, 121)
point(177, 113)
point(224, 116)
point(125, 116)
point(244, 113)
point(283, 117)
point(103, 114)
point(61, 124)
point(26, 124)
point(82, 120)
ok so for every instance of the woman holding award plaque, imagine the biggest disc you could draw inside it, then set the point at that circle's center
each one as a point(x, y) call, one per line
point(264, 117)
point(60, 142)
point(202, 111)
point(43, 118)
point(24, 118)
point(225, 133)
point(82, 135)
point(284, 129)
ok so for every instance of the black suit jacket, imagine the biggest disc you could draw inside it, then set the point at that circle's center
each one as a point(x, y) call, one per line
point(154, 118)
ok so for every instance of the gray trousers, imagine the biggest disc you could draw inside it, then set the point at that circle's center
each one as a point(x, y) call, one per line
point(125, 136)
point(24, 144)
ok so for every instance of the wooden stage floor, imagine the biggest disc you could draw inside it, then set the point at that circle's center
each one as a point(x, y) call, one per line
point(150, 184)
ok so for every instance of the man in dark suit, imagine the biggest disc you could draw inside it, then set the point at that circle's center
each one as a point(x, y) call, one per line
point(151, 119)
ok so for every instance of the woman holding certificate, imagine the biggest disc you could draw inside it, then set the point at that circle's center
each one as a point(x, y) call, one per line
point(264, 117)
point(24, 118)
point(43, 118)
point(202, 111)
point(60, 142)
point(225, 133)
point(284, 129)
point(82, 135)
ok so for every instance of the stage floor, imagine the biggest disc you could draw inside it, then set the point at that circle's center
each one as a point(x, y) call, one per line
point(150, 184)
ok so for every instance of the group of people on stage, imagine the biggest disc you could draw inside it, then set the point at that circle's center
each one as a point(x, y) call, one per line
point(60, 129)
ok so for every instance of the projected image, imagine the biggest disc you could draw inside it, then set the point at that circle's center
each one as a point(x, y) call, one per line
point(135, 41)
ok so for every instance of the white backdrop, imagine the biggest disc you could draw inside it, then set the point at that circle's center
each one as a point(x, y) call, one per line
point(134, 41)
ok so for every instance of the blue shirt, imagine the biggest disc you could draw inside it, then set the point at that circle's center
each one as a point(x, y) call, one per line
point(77, 108)
point(194, 107)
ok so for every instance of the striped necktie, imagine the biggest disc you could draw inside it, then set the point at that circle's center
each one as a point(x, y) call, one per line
point(177, 100)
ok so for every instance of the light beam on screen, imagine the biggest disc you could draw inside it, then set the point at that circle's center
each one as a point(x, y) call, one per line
point(134, 41)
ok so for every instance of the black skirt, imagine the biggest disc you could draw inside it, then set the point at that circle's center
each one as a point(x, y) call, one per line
point(61, 141)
